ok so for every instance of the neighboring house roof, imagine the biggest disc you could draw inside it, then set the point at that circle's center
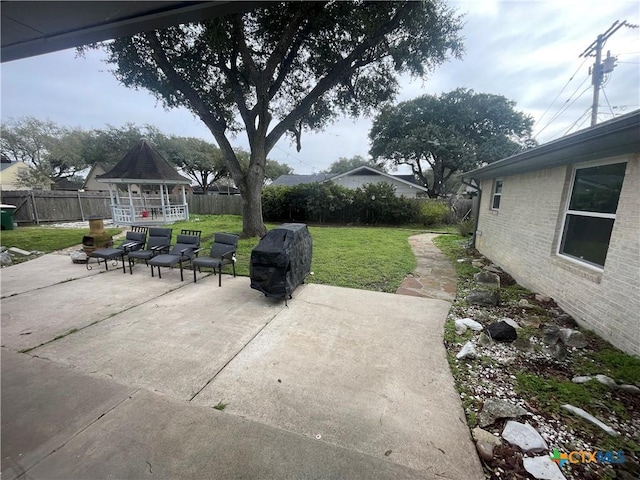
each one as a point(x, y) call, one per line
point(618, 136)
point(292, 180)
point(66, 184)
point(143, 164)
point(367, 170)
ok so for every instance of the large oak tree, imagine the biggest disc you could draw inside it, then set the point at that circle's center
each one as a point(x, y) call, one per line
point(283, 68)
point(438, 136)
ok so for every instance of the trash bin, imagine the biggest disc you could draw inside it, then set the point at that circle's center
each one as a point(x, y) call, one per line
point(7, 216)
point(282, 260)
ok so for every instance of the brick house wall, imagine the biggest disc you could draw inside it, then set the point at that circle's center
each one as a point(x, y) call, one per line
point(522, 237)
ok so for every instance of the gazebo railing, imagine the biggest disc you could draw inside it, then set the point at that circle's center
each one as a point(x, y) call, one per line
point(131, 215)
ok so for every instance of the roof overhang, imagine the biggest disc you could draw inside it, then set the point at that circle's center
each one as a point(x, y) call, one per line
point(619, 136)
point(34, 28)
point(141, 181)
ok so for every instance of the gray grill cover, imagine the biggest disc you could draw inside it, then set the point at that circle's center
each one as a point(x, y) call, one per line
point(282, 260)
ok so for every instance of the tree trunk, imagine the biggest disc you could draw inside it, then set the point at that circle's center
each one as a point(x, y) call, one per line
point(252, 223)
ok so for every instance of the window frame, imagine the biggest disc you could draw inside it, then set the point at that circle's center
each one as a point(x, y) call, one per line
point(495, 194)
point(583, 213)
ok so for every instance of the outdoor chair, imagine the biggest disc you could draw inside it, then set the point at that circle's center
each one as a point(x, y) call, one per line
point(159, 242)
point(132, 242)
point(182, 252)
point(223, 252)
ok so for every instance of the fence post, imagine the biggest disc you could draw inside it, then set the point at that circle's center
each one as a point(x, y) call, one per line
point(81, 210)
point(35, 208)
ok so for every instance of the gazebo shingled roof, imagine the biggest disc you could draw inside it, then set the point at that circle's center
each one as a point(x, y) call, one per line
point(145, 164)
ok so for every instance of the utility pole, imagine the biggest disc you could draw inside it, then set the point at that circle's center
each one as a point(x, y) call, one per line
point(600, 68)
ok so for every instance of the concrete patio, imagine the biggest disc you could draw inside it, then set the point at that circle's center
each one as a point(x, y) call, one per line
point(107, 375)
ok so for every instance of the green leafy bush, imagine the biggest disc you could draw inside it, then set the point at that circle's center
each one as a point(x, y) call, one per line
point(434, 212)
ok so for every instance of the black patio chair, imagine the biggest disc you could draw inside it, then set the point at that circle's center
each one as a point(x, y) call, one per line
point(132, 242)
point(159, 242)
point(223, 252)
point(182, 252)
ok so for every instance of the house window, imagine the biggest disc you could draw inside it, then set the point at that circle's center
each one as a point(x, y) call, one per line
point(497, 194)
point(591, 212)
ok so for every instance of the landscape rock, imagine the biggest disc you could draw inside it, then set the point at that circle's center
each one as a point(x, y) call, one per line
point(468, 322)
point(551, 334)
point(19, 251)
point(524, 303)
point(557, 351)
point(495, 408)
point(488, 298)
point(484, 340)
point(566, 319)
point(524, 436)
point(502, 332)
point(511, 322)
point(485, 450)
point(590, 418)
point(543, 298)
point(2, 248)
point(581, 379)
point(608, 381)
point(5, 259)
point(523, 344)
point(543, 468)
point(477, 263)
point(629, 388)
point(482, 435)
point(78, 256)
point(573, 338)
point(487, 278)
point(533, 321)
point(467, 351)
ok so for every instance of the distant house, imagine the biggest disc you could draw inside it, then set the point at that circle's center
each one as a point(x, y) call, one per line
point(90, 183)
point(564, 220)
point(9, 174)
point(405, 185)
point(72, 185)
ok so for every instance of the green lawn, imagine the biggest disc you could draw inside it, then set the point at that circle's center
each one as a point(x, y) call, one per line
point(370, 258)
point(46, 239)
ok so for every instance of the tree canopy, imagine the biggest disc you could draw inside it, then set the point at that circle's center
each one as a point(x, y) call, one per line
point(285, 67)
point(438, 136)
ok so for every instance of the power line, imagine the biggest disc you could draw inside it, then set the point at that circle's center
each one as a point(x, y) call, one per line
point(565, 106)
point(562, 90)
point(607, 99)
point(581, 117)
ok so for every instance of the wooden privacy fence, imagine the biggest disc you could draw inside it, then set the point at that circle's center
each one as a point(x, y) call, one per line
point(214, 204)
point(48, 206)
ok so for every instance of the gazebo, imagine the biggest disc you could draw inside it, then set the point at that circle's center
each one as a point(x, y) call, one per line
point(148, 179)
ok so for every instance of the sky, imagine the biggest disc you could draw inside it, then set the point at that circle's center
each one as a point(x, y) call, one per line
point(527, 51)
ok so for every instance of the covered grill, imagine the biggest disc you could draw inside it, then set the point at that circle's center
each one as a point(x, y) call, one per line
point(282, 260)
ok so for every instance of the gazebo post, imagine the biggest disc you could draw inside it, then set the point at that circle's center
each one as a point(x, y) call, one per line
point(184, 203)
point(164, 214)
point(112, 203)
point(131, 207)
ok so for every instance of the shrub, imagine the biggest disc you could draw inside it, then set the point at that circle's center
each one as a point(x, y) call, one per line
point(434, 212)
point(466, 227)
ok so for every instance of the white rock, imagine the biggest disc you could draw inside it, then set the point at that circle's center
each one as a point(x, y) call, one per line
point(511, 322)
point(19, 251)
point(460, 327)
point(590, 418)
point(581, 379)
point(608, 381)
point(524, 436)
point(468, 351)
point(472, 324)
point(482, 435)
point(543, 468)
point(524, 303)
point(630, 388)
